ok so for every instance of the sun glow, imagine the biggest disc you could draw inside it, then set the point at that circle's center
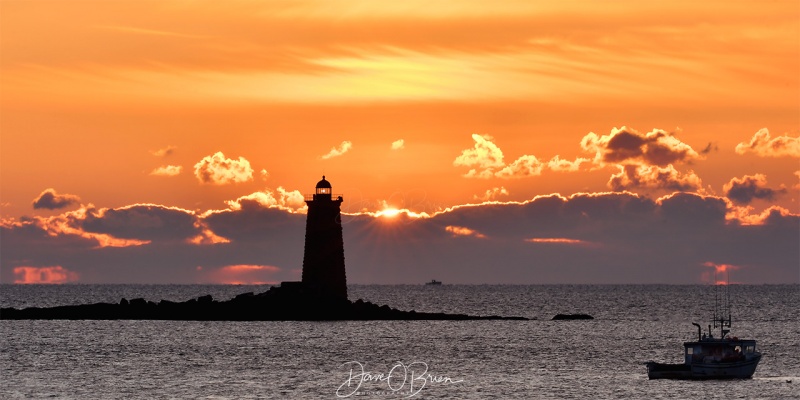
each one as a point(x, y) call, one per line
point(54, 274)
point(391, 212)
point(719, 270)
point(555, 240)
point(388, 213)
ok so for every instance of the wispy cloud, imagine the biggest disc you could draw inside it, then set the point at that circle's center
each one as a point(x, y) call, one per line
point(558, 241)
point(464, 231)
point(344, 147)
point(145, 31)
point(163, 152)
point(167, 170)
point(491, 194)
point(540, 52)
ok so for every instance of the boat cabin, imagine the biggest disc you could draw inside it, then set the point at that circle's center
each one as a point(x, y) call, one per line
point(719, 350)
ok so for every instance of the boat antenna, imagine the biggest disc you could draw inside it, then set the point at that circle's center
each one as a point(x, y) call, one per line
point(722, 304)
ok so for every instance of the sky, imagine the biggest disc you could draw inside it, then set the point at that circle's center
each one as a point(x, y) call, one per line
point(511, 142)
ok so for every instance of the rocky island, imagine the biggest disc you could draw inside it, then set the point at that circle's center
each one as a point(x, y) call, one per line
point(320, 296)
point(277, 304)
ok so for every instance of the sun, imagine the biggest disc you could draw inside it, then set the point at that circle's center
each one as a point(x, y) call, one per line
point(389, 213)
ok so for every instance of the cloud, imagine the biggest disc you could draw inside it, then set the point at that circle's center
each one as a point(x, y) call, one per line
point(486, 161)
point(491, 194)
point(797, 174)
point(66, 227)
point(51, 200)
point(177, 241)
point(625, 145)
point(167, 170)
point(483, 158)
point(218, 170)
point(256, 218)
point(522, 167)
point(242, 274)
point(292, 201)
point(398, 144)
point(530, 53)
point(644, 160)
point(166, 151)
point(558, 164)
point(344, 147)
point(709, 148)
point(749, 187)
point(149, 222)
point(129, 226)
point(206, 236)
point(608, 237)
point(463, 231)
point(628, 239)
point(653, 177)
point(716, 277)
point(264, 174)
point(55, 274)
point(762, 145)
point(557, 241)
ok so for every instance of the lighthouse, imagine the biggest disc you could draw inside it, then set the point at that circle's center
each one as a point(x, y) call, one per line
point(323, 256)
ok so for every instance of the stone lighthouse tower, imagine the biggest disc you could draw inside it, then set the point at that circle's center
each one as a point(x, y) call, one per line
point(323, 257)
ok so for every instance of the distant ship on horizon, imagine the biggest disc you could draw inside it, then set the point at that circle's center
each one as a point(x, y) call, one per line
point(434, 282)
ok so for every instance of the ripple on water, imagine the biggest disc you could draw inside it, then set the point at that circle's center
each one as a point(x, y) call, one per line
point(601, 358)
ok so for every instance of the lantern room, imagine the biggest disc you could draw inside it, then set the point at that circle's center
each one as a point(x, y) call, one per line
point(323, 186)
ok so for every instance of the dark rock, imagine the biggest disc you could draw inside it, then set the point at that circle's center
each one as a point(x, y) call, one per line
point(244, 296)
point(275, 305)
point(571, 316)
point(138, 302)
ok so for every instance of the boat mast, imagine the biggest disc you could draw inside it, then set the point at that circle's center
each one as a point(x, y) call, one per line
point(722, 305)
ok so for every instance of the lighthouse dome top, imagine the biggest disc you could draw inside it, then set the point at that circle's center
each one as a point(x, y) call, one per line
point(323, 183)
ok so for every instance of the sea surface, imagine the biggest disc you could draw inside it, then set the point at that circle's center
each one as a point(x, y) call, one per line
point(537, 359)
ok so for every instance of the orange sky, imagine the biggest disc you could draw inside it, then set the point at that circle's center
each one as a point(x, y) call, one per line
point(120, 102)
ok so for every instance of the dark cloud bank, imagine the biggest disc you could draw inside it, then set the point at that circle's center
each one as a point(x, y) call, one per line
point(607, 238)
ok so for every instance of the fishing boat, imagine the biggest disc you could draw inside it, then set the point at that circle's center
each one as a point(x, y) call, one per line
point(709, 357)
point(434, 282)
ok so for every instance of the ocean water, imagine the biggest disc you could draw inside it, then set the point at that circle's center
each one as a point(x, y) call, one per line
point(598, 359)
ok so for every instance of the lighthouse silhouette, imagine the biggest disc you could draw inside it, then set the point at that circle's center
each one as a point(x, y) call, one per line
point(323, 256)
